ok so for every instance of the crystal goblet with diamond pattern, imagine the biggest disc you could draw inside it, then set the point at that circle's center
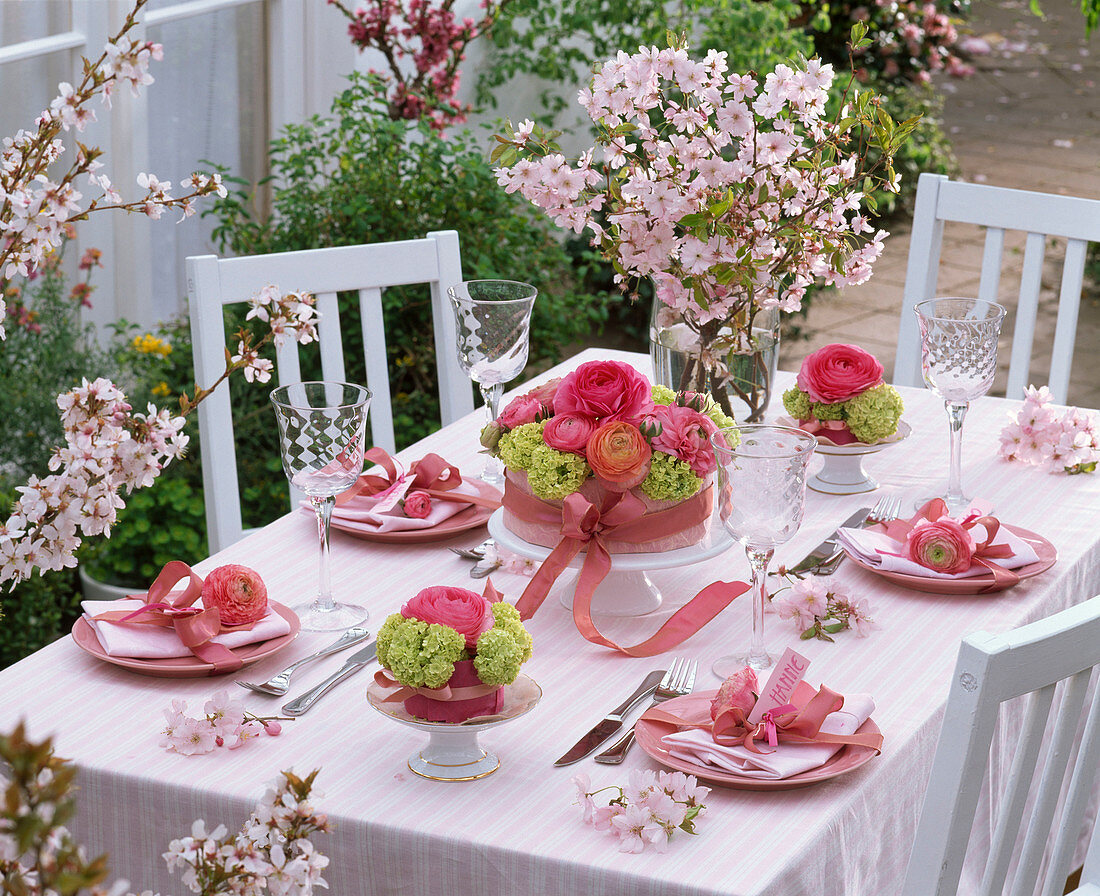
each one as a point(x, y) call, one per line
point(762, 479)
point(321, 436)
point(958, 343)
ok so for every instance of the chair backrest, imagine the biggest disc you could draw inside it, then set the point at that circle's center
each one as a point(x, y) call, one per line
point(1054, 654)
point(997, 209)
point(213, 283)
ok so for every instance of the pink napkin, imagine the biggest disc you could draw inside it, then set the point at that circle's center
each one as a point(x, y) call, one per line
point(876, 548)
point(383, 513)
point(697, 745)
point(153, 642)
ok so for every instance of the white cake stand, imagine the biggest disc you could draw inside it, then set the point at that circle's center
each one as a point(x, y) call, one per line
point(843, 472)
point(627, 590)
point(453, 753)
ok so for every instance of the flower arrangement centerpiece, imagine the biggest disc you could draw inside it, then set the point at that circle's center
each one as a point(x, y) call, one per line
point(599, 431)
point(450, 651)
point(840, 396)
point(732, 193)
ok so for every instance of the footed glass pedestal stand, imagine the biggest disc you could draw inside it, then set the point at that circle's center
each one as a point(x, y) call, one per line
point(627, 590)
point(453, 752)
point(842, 472)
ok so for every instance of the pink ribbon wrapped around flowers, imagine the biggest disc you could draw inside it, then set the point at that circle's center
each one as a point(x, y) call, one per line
point(195, 626)
point(431, 474)
point(584, 526)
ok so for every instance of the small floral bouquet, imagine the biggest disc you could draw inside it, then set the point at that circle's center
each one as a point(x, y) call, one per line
point(605, 421)
point(450, 652)
point(842, 398)
point(1060, 441)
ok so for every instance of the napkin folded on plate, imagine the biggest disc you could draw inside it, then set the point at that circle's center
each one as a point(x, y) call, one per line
point(697, 745)
point(878, 549)
point(383, 515)
point(155, 642)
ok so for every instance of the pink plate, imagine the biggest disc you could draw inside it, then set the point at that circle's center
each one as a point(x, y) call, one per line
point(848, 758)
point(186, 666)
point(983, 584)
point(468, 518)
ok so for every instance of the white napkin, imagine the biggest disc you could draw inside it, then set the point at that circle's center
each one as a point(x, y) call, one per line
point(877, 549)
point(697, 746)
point(389, 517)
point(154, 642)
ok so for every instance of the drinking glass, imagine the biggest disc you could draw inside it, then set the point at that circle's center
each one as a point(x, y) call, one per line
point(321, 427)
point(493, 319)
point(958, 343)
point(762, 479)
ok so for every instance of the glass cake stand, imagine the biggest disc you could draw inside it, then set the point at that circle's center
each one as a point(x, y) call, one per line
point(627, 590)
point(453, 752)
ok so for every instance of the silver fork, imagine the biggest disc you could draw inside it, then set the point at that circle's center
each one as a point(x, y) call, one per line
point(887, 509)
point(678, 681)
point(278, 685)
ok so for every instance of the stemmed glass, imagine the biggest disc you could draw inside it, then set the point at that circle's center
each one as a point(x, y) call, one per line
point(321, 428)
point(958, 342)
point(493, 319)
point(762, 475)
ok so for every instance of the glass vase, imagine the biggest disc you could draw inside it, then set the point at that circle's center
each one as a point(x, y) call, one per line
point(735, 361)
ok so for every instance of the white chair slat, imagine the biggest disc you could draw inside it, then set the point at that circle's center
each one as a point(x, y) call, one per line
point(328, 332)
point(1003, 843)
point(1027, 309)
point(1065, 330)
point(378, 376)
point(989, 285)
point(455, 390)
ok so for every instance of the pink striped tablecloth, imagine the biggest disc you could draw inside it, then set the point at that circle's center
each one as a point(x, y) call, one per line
point(520, 830)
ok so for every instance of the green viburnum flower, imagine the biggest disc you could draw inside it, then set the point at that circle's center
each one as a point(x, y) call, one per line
point(507, 618)
point(499, 657)
point(663, 394)
point(670, 479)
point(715, 412)
point(554, 474)
point(797, 403)
point(419, 654)
point(828, 411)
point(515, 447)
point(874, 415)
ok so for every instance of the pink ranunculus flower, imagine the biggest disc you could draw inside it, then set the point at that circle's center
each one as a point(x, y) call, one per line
point(418, 505)
point(685, 434)
point(943, 545)
point(545, 393)
point(467, 612)
point(605, 390)
point(518, 411)
point(739, 691)
point(838, 372)
point(619, 455)
point(238, 592)
point(568, 432)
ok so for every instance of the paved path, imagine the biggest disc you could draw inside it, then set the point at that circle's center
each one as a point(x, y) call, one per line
point(1030, 119)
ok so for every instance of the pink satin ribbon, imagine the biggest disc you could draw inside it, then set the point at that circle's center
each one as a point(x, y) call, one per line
point(836, 431)
point(621, 518)
point(787, 724)
point(984, 555)
point(431, 474)
point(396, 691)
point(195, 626)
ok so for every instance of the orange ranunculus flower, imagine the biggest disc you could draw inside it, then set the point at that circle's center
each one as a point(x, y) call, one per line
point(618, 454)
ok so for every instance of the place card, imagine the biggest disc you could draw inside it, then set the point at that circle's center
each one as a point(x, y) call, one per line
point(786, 675)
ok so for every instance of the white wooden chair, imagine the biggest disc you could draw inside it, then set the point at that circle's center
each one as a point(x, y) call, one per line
point(1059, 652)
point(1040, 216)
point(213, 283)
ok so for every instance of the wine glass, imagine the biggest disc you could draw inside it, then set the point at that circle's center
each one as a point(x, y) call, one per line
point(762, 475)
point(493, 319)
point(321, 428)
point(958, 343)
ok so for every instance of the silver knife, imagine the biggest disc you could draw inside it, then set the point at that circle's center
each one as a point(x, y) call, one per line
point(357, 661)
point(612, 722)
point(828, 547)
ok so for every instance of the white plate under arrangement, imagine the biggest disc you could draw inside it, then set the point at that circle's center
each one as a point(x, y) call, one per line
point(453, 752)
point(842, 472)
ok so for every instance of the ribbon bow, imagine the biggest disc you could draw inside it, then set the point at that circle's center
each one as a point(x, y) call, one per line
point(984, 554)
point(195, 626)
point(585, 526)
point(431, 474)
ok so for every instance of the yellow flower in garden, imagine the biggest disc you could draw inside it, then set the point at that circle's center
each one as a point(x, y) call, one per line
point(161, 388)
point(148, 344)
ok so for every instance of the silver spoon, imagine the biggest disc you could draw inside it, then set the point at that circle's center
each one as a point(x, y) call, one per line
point(477, 553)
point(279, 684)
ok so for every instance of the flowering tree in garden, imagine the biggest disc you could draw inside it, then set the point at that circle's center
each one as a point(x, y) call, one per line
point(109, 448)
point(433, 39)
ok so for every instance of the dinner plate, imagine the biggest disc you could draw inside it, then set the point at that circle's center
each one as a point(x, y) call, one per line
point(983, 584)
point(468, 518)
point(187, 666)
point(848, 758)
